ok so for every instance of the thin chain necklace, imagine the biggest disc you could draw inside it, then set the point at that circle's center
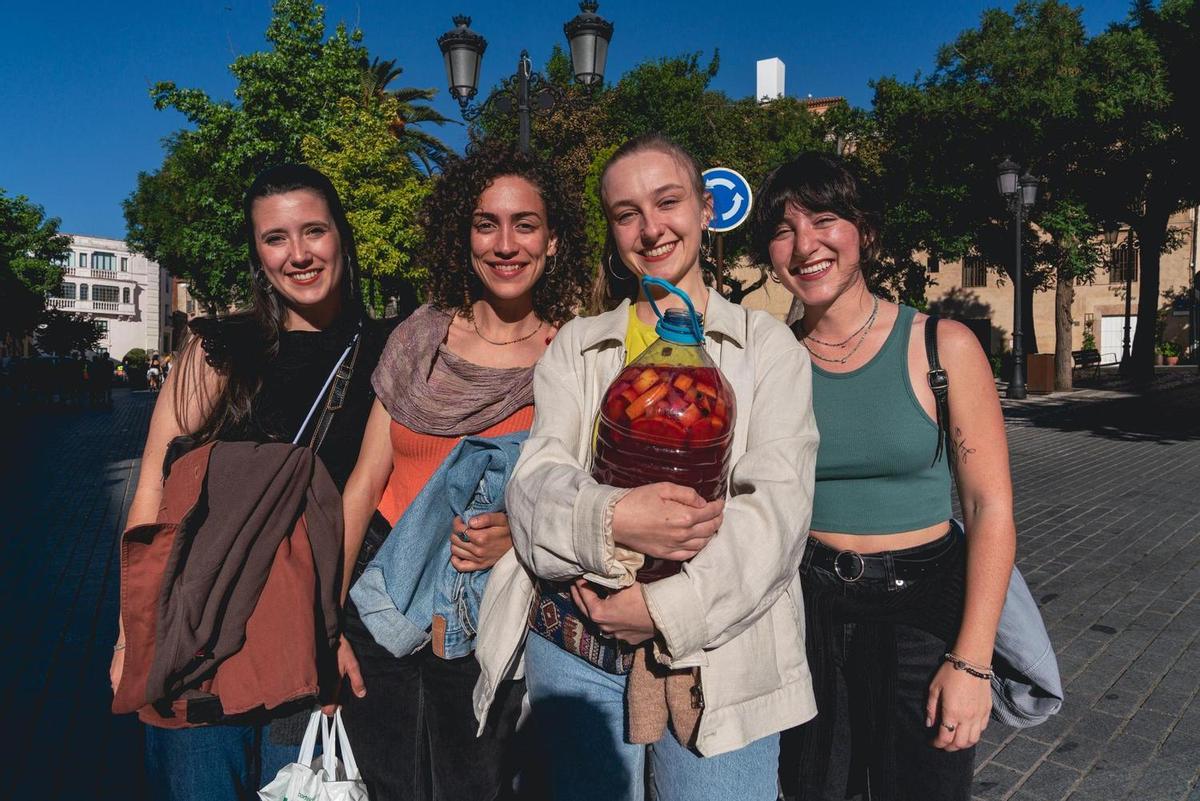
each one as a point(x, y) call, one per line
point(475, 325)
point(842, 344)
point(862, 337)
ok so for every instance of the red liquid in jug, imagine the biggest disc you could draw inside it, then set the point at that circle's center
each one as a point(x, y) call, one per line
point(666, 423)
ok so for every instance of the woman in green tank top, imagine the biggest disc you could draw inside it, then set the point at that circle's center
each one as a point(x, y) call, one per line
point(902, 609)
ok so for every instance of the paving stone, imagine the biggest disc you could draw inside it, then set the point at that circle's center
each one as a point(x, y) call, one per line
point(1077, 752)
point(1021, 753)
point(1051, 781)
point(994, 781)
point(1150, 724)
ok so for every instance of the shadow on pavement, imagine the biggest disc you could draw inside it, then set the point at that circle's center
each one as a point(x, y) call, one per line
point(1162, 415)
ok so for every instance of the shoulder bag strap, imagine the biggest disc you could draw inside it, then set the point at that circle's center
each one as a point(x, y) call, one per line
point(332, 380)
point(337, 395)
point(939, 382)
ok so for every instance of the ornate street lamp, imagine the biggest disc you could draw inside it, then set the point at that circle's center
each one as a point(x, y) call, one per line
point(1021, 194)
point(588, 36)
point(462, 50)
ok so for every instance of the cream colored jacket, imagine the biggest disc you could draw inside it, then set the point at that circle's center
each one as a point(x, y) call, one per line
point(735, 610)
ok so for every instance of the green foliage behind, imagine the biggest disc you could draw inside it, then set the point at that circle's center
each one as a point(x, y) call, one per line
point(30, 249)
point(308, 97)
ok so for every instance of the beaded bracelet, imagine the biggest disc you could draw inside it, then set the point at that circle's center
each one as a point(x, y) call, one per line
point(978, 671)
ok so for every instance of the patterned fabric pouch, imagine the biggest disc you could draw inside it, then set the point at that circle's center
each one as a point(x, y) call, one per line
point(555, 617)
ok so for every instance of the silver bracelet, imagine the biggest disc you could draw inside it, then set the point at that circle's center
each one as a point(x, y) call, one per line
point(119, 647)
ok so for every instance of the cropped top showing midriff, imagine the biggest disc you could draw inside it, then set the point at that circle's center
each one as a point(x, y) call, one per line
point(417, 457)
point(876, 474)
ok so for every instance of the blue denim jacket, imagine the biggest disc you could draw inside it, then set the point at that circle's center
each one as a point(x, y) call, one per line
point(410, 594)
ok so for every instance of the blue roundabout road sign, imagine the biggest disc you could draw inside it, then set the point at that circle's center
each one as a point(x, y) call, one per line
point(732, 198)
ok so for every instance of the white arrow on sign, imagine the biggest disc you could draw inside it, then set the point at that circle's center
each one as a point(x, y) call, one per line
point(735, 208)
point(738, 197)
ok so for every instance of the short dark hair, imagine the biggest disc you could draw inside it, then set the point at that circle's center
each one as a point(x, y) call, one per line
point(448, 214)
point(816, 182)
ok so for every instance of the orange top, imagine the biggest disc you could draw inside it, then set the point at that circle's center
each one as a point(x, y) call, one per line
point(416, 457)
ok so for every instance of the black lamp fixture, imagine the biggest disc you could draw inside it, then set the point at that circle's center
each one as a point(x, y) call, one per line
point(462, 49)
point(1020, 192)
point(588, 36)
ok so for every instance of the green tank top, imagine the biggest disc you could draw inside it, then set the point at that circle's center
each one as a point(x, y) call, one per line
point(875, 468)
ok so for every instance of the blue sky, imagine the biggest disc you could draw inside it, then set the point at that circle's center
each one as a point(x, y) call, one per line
point(77, 124)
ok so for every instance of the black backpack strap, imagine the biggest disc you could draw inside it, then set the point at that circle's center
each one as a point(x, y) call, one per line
point(939, 382)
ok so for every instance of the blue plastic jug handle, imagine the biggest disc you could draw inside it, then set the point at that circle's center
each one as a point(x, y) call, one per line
point(651, 281)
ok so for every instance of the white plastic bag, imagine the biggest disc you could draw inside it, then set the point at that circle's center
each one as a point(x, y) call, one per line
point(323, 778)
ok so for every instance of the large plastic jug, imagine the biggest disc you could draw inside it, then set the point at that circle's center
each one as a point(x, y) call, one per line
point(668, 416)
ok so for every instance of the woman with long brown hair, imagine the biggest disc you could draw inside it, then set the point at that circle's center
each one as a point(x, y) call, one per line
point(258, 375)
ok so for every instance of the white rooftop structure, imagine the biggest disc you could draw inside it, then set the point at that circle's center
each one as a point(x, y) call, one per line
point(770, 79)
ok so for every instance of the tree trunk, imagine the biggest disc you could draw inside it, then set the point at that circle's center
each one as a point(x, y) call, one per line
point(1151, 231)
point(1064, 296)
point(1027, 325)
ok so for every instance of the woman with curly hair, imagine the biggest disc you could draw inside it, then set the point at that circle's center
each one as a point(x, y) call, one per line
point(508, 266)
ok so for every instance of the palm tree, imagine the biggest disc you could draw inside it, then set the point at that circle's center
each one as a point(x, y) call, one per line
point(425, 149)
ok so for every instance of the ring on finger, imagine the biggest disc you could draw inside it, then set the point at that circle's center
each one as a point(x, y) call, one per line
point(949, 726)
point(462, 535)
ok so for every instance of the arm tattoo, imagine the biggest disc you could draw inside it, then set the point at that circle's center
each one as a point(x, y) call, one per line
point(960, 451)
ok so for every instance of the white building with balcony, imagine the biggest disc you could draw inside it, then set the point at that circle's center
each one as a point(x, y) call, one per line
point(129, 294)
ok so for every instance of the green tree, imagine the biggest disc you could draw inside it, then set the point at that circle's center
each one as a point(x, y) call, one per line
point(412, 108)
point(63, 332)
point(31, 252)
point(1143, 95)
point(1014, 86)
point(187, 215)
point(381, 190)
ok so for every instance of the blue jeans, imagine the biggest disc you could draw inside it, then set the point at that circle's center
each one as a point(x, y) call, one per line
point(212, 763)
point(579, 714)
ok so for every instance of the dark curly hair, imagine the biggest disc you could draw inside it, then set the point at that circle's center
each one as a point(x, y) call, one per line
point(448, 212)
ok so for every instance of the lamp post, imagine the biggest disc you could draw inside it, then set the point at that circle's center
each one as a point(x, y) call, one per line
point(588, 36)
point(1112, 237)
point(1020, 193)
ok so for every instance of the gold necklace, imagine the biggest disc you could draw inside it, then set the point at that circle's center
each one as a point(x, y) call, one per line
point(475, 325)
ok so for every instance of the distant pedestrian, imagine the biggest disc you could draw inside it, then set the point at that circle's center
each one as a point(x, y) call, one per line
point(154, 373)
point(902, 609)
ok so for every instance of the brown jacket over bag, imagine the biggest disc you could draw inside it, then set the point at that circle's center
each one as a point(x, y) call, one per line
point(230, 600)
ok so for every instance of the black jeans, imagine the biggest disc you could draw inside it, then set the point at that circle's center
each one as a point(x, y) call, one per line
point(414, 733)
point(874, 645)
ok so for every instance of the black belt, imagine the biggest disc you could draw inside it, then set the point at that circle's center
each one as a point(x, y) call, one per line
point(903, 565)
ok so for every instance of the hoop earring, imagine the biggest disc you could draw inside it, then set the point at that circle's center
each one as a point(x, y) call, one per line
point(553, 264)
point(774, 276)
point(611, 271)
point(264, 283)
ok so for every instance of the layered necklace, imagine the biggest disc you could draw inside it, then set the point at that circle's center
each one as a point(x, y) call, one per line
point(861, 334)
point(475, 325)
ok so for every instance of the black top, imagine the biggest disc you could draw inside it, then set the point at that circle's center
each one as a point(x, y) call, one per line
point(292, 379)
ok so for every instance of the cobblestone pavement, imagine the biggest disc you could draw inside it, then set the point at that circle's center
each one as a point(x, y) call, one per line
point(1106, 488)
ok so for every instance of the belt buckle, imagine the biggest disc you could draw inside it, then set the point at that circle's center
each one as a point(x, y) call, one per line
point(837, 566)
